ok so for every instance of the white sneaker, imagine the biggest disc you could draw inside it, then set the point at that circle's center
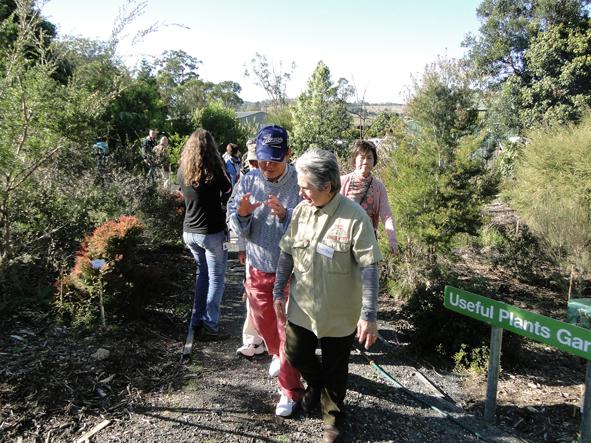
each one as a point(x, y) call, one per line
point(285, 406)
point(250, 350)
point(274, 367)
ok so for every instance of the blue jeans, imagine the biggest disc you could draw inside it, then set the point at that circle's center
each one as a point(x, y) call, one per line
point(211, 257)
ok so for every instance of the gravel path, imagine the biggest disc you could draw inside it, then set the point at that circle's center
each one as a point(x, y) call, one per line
point(225, 398)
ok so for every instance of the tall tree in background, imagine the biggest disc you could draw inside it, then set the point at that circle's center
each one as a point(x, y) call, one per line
point(533, 59)
point(273, 80)
point(436, 180)
point(320, 116)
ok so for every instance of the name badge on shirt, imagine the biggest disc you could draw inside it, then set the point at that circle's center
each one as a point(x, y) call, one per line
point(327, 251)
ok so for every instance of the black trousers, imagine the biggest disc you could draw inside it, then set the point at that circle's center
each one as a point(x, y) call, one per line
point(329, 374)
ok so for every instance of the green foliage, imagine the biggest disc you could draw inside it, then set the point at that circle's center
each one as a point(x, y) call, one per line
point(443, 104)
point(183, 92)
point(458, 338)
point(40, 119)
point(320, 116)
point(436, 200)
point(560, 63)
point(508, 29)
point(385, 124)
point(508, 157)
point(552, 192)
point(438, 182)
point(137, 108)
point(176, 142)
point(519, 252)
point(282, 117)
point(222, 123)
point(474, 361)
point(532, 56)
point(79, 292)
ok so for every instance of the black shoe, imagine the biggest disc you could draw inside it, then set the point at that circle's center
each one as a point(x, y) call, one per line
point(332, 434)
point(310, 402)
point(209, 335)
point(198, 331)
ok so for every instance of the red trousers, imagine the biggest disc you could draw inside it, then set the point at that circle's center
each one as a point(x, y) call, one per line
point(259, 290)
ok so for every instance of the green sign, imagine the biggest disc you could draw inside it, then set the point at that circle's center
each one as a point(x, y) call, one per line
point(561, 335)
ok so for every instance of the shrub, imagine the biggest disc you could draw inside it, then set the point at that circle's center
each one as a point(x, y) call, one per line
point(439, 331)
point(552, 192)
point(474, 362)
point(78, 293)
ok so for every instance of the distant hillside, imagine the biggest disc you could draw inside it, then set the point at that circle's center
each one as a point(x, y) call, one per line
point(373, 109)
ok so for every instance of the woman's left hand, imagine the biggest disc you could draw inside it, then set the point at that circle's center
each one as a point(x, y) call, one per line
point(279, 306)
point(367, 333)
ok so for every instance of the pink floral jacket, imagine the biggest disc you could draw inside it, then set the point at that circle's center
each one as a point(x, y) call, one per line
point(378, 198)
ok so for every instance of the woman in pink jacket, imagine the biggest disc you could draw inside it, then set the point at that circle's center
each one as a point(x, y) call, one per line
point(362, 187)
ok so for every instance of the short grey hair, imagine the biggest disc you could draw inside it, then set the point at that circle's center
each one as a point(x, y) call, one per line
point(321, 168)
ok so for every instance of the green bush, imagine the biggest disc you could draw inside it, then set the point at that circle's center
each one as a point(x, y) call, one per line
point(552, 192)
point(440, 332)
point(519, 252)
point(474, 362)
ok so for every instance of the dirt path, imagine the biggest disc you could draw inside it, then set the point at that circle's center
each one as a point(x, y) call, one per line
point(54, 388)
point(227, 398)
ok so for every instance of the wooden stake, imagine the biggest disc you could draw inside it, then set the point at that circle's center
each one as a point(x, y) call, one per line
point(494, 367)
point(85, 438)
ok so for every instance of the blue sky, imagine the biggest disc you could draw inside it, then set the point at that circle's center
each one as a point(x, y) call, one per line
point(375, 44)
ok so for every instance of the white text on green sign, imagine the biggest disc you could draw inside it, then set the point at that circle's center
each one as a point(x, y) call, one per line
point(561, 335)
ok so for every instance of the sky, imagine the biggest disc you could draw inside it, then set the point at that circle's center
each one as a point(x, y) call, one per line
point(377, 45)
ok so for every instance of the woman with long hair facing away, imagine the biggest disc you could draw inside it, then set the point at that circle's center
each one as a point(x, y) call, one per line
point(206, 189)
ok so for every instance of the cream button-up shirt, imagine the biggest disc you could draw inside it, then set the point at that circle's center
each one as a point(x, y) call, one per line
point(329, 246)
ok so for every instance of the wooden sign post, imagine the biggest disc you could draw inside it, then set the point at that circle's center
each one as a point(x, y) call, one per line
point(555, 333)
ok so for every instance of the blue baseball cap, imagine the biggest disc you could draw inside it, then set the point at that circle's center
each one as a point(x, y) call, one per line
point(271, 144)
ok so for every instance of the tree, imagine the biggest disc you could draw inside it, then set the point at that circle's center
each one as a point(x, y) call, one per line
point(385, 124)
point(45, 31)
point(532, 59)
point(508, 29)
point(40, 120)
point(320, 115)
point(438, 182)
point(272, 80)
point(222, 123)
point(560, 63)
point(443, 104)
point(176, 68)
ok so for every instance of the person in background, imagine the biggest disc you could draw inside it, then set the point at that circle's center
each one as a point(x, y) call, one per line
point(206, 188)
point(162, 160)
point(363, 188)
point(252, 342)
point(233, 162)
point(147, 153)
point(260, 213)
point(331, 249)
